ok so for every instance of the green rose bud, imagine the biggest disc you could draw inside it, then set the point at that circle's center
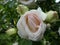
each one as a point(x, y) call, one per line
point(51, 16)
point(21, 9)
point(11, 31)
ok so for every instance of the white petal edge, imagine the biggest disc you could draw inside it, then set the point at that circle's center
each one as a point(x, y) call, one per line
point(59, 30)
point(42, 14)
point(21, 31)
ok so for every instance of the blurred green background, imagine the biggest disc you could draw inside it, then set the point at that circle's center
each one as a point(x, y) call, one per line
point(9, 18)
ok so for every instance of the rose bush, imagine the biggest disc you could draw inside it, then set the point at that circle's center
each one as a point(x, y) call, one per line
point(31, 25)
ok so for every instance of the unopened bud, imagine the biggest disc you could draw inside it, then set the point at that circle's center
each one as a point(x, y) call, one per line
point(11, 31)
point(21, 9)
point(51, 16)
point(48, 25)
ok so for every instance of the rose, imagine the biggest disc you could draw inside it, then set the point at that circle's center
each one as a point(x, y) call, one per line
point(31, 25)
point(26, 2)
point(29, 3)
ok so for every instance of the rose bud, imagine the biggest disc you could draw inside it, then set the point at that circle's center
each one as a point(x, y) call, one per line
point(15, 43)
point(51, 16)
point(21, 9)
point(11, 31)
point(48, 25)
point(31, 26)
point(26, 2)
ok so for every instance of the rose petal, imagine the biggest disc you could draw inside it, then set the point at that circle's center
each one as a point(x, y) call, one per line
point(42, 14)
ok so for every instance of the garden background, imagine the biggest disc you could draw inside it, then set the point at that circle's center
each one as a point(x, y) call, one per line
point(9, 18)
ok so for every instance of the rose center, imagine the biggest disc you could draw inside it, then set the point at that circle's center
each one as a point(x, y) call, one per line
point(33, 22)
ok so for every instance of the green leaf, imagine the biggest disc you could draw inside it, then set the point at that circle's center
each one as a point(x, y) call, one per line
point(25, 42)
